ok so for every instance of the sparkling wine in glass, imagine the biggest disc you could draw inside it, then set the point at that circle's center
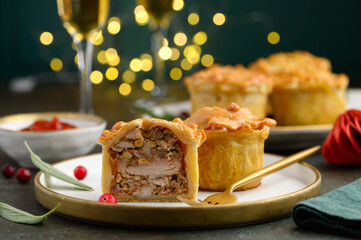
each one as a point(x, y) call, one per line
point(82, 19)
point(159, 12)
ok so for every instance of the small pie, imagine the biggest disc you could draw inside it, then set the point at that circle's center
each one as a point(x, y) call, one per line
point(220, 85)
point(308, 98)
point(234, 147)
point(305, 90)
point(150, 160)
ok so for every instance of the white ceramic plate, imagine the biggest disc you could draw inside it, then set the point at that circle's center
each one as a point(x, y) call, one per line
point(274, 198)
point(284, 137)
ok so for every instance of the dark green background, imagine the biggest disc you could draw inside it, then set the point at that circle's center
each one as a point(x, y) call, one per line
point(325, 28)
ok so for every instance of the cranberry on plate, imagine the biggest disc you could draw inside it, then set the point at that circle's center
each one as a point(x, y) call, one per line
point(8, 171)
point(80, 172)
point(108, 198)
point(23, 175)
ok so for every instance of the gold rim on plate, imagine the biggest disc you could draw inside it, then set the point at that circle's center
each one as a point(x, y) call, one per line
point(179, 216)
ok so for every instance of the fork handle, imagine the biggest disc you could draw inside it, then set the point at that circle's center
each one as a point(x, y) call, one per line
point(275, 167)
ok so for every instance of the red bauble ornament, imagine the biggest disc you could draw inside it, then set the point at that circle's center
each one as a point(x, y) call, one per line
point(343, 144)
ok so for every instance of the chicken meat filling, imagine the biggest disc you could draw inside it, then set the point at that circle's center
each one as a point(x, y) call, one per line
point(148, 162)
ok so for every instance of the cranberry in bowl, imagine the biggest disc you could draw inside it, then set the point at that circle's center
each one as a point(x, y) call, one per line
point(54, 136)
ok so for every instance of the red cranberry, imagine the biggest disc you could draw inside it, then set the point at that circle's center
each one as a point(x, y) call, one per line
point(80, 172)
point(108, 198)
point(8, 171)
point(184, 115)
point(23, 175)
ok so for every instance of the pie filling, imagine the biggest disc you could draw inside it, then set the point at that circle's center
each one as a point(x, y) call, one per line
point(148, 162)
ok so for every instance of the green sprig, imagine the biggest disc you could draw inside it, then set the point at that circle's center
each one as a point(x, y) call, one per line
point(16, 215)
point(166, 115)
point(48, 169)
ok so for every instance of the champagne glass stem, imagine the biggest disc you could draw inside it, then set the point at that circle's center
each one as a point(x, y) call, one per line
point(159, 65)
point(85, 54)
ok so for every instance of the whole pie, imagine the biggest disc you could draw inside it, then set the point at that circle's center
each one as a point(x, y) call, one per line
point(305, 90)
point(219, 85)
point(308, 98)
point(234, 147)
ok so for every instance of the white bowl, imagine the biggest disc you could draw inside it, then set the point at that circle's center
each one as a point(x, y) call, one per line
point(51, 146)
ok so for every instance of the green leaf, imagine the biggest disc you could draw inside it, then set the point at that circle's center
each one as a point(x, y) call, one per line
point(166, 115)
point(48, 169)
point(16, 215)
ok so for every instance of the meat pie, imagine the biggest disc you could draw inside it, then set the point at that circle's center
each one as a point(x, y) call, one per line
point(150, 160)
point(219, 85)
point(305, 90)
point(234, 147)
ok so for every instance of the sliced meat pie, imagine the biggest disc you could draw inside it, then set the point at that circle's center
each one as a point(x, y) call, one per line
point(150, 160)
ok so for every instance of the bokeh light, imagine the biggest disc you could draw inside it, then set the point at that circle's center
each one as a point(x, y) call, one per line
point(191, 48)
point(56, 64)
point(128, 76)
point(97, 38)
point(141, 15)
point(102, 59)
point(200, 38)
point(207, 60)
point(111, 54)
point(178, 5)
point(193, 19)
point(125, 89)
point(219, 19)
point(193, 57)
point(176, 74)
point(273, 38)
point(192, 53)
point(147, 64)
point(96, 77)
point(46, 38)
point(112, 73)
point(180, 39)
point(114, 61)
point(186, 65)
point(165, 42)
point(148, 85)
point(165, 53)
point(146, 56)
point(114, 25)
point(135, 65)
point(78, 37)
point(175, 54)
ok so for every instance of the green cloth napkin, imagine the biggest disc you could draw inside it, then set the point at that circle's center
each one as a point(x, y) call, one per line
point(338, 211)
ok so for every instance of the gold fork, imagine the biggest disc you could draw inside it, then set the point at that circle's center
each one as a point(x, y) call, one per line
point(192, 203)
point(227, 197)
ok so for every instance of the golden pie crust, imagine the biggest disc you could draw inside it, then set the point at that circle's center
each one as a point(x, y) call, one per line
point(296, 88)
point(188, 138)
point(289, 62)
point(220, 85)
point(305, 90)
point(308, 98)
point(234, 147)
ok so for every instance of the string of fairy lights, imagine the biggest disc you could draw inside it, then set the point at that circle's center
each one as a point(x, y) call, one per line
point(186, 51)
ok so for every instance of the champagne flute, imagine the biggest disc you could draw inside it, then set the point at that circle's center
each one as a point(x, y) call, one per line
point(159, 12)
point(82, 19)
